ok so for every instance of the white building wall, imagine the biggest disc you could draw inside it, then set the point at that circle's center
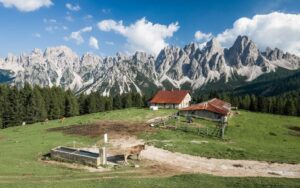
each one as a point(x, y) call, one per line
point(185, 102)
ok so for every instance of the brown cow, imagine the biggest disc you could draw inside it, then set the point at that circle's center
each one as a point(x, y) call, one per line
point(134, 150)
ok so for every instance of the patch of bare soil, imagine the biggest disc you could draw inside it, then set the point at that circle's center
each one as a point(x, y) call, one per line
point(294, 130)
point(183, 163)
point(113, 128)
point(160, 162)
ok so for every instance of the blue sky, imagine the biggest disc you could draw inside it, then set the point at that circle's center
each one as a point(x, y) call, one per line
point(50, 23)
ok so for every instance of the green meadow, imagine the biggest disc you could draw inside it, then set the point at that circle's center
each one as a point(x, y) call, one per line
point(249, 136)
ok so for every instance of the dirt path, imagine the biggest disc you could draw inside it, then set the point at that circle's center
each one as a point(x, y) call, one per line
point(218, 167)
point(122, 135)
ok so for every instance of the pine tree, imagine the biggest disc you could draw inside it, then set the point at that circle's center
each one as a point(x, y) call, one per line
point(2, 98)
point(68, 106)
point(81, 103)
point(127, 100)
point(298, 106)
point(41, 113)
point(90, 104)
point(278, 108)
point(245, 102)
point(71, 105)
point(108, 104)
point(12, 108)
point(46, 96)
point(54, 109)
point(253, 103)
point(25, 94)
point(117, 102)
point(100, 102)
point(290, 108)
point(137, 100)
point(270, 105)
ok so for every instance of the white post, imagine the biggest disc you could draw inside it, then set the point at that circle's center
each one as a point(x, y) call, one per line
point(105, 138)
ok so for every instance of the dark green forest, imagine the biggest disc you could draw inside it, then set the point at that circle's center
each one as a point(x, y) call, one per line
point(36, 104)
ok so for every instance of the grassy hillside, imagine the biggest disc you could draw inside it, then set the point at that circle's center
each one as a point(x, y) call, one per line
point(21, 148)
point(255, 136)
point(269, 84)
point(180, 181)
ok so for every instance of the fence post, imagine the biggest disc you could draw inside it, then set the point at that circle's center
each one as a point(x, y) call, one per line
point(223, 130)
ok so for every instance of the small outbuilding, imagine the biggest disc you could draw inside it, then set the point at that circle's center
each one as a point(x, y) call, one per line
point(171, 99)
point(214, 109)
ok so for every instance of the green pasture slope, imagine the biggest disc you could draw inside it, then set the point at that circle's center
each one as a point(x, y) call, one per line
point(253, 136)
point(21, 147)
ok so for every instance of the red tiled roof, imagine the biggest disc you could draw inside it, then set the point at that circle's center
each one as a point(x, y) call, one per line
point(169, 97)
point(213, 105)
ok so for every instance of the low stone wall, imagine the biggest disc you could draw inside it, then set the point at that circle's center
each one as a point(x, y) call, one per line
point(75, 156)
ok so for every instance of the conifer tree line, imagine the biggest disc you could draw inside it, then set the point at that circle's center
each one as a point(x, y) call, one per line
point(36, 104)
point(284, 104)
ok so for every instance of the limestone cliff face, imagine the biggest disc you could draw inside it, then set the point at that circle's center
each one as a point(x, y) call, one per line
point(60, 66)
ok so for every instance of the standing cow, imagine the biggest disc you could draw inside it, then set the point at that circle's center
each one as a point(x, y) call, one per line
point(134, 150)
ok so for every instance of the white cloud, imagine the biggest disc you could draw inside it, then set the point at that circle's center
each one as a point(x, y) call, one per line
point(52, 25)
point(37, 35)
point(109, 43)
point(77, 35)
point(93, 43)
point(51, 28)
point(200, 36)
point(142, 35)
point(45, 20)
point(88, 17)
point(274, 30)
point(105, 10)
point(26, 5)
point(69, 18)
point(72, 7)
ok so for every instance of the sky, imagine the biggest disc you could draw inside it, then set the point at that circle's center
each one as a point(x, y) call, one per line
point(105, 27)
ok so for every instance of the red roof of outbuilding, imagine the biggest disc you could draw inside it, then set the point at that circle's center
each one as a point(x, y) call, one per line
point(169, 97)
point(213, 105)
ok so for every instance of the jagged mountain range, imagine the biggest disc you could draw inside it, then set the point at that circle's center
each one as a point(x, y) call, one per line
point(190, 67)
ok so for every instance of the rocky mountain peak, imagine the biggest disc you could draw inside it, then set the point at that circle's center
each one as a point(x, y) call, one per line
point(190, 48)
point(213, 46)
point(62, 51)
point(241, 43)
point(37, 51)
point(173, 67)
point(243, 52)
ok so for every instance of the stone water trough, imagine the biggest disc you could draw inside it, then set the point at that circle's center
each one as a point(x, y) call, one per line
point(76, 155)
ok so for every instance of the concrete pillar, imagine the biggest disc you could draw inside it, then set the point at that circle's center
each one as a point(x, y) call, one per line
point(102, 153)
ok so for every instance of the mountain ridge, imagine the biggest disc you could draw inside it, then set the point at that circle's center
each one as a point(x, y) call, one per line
point(191, 66)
